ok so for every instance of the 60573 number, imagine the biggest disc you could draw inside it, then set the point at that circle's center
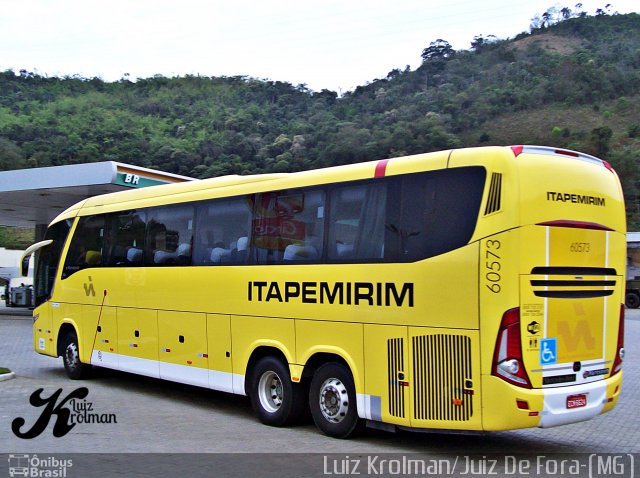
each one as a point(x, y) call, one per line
point(492, 265)
point(580, 247)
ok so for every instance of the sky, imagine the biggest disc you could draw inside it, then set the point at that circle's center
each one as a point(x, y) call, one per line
point(323, 44)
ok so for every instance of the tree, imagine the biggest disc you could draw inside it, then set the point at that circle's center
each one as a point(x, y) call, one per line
point(600, 138)
point(580, 13)
point(395, 73)
point(536, 23)
point(438, 50)
point(480, 41)
point(477, 43)
point(11, 157)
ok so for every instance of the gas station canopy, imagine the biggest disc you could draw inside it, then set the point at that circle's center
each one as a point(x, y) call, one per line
point(30, 197)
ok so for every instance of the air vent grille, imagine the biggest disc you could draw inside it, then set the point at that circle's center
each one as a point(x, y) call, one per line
point(495, 194)
point(395, 355)
point(572, 294)
point(442, 377)
point(573, 282)
point(574, 271)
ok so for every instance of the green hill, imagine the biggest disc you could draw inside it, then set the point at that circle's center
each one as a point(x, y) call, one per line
point(574, 84)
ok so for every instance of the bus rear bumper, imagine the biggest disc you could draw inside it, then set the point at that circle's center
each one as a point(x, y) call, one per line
point(564, 405)
point(507, 407)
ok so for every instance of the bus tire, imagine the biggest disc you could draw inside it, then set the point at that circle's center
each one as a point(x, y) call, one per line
point(76, 370)
point(332, 400)
point(276, 400)
point(632, 300)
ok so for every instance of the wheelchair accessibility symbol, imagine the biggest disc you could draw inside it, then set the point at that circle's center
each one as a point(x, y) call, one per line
point(548, 351)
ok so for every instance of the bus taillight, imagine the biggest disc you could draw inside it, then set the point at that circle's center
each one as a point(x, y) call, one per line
point(617, 363)
point(507, 358)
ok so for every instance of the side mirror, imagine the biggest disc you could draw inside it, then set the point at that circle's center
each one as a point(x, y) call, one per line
point(26, 255)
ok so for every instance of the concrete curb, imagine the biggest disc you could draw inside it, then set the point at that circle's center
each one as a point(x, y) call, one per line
point(7, 376)
point(15, 312)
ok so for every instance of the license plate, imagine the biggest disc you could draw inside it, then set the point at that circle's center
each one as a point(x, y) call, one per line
point(577, 401)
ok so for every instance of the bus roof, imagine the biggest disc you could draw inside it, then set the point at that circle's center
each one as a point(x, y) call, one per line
point(236, 184)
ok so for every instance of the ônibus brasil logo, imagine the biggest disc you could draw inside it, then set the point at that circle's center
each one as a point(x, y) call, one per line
point(38, 466)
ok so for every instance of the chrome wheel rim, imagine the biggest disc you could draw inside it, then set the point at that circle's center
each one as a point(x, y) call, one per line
point(72, 357)
point(334, 400)
point(270, 391)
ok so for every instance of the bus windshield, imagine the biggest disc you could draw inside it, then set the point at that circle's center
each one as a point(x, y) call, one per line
point(47, 260)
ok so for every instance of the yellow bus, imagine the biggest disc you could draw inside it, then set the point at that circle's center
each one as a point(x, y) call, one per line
point(471, 289)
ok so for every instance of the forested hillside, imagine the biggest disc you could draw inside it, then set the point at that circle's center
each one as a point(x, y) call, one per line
point(572, 82)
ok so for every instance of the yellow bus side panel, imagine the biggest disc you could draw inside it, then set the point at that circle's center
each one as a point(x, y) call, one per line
point(70, 314)
point(249, 333)
point(138, 340)
point(182, 338)
point(387, 372)
point(233, 290)
point(43, 332)
point(454, 307)
point(499, 287)
point(447, 290)
point(105, 329)
point(219, 342)
point(339, 338)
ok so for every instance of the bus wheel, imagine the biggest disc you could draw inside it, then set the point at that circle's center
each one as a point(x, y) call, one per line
point(332, 399)
point(632, 300)
point(75, 369)
point(276, 400)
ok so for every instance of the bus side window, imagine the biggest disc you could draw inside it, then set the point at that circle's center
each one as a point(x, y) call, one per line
point(222, 230)
point(357, 222)
point(87, 245)
point(169, 236)
point(288, 226)
point(126, 240)
point(311, 217)
point(434, 212)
